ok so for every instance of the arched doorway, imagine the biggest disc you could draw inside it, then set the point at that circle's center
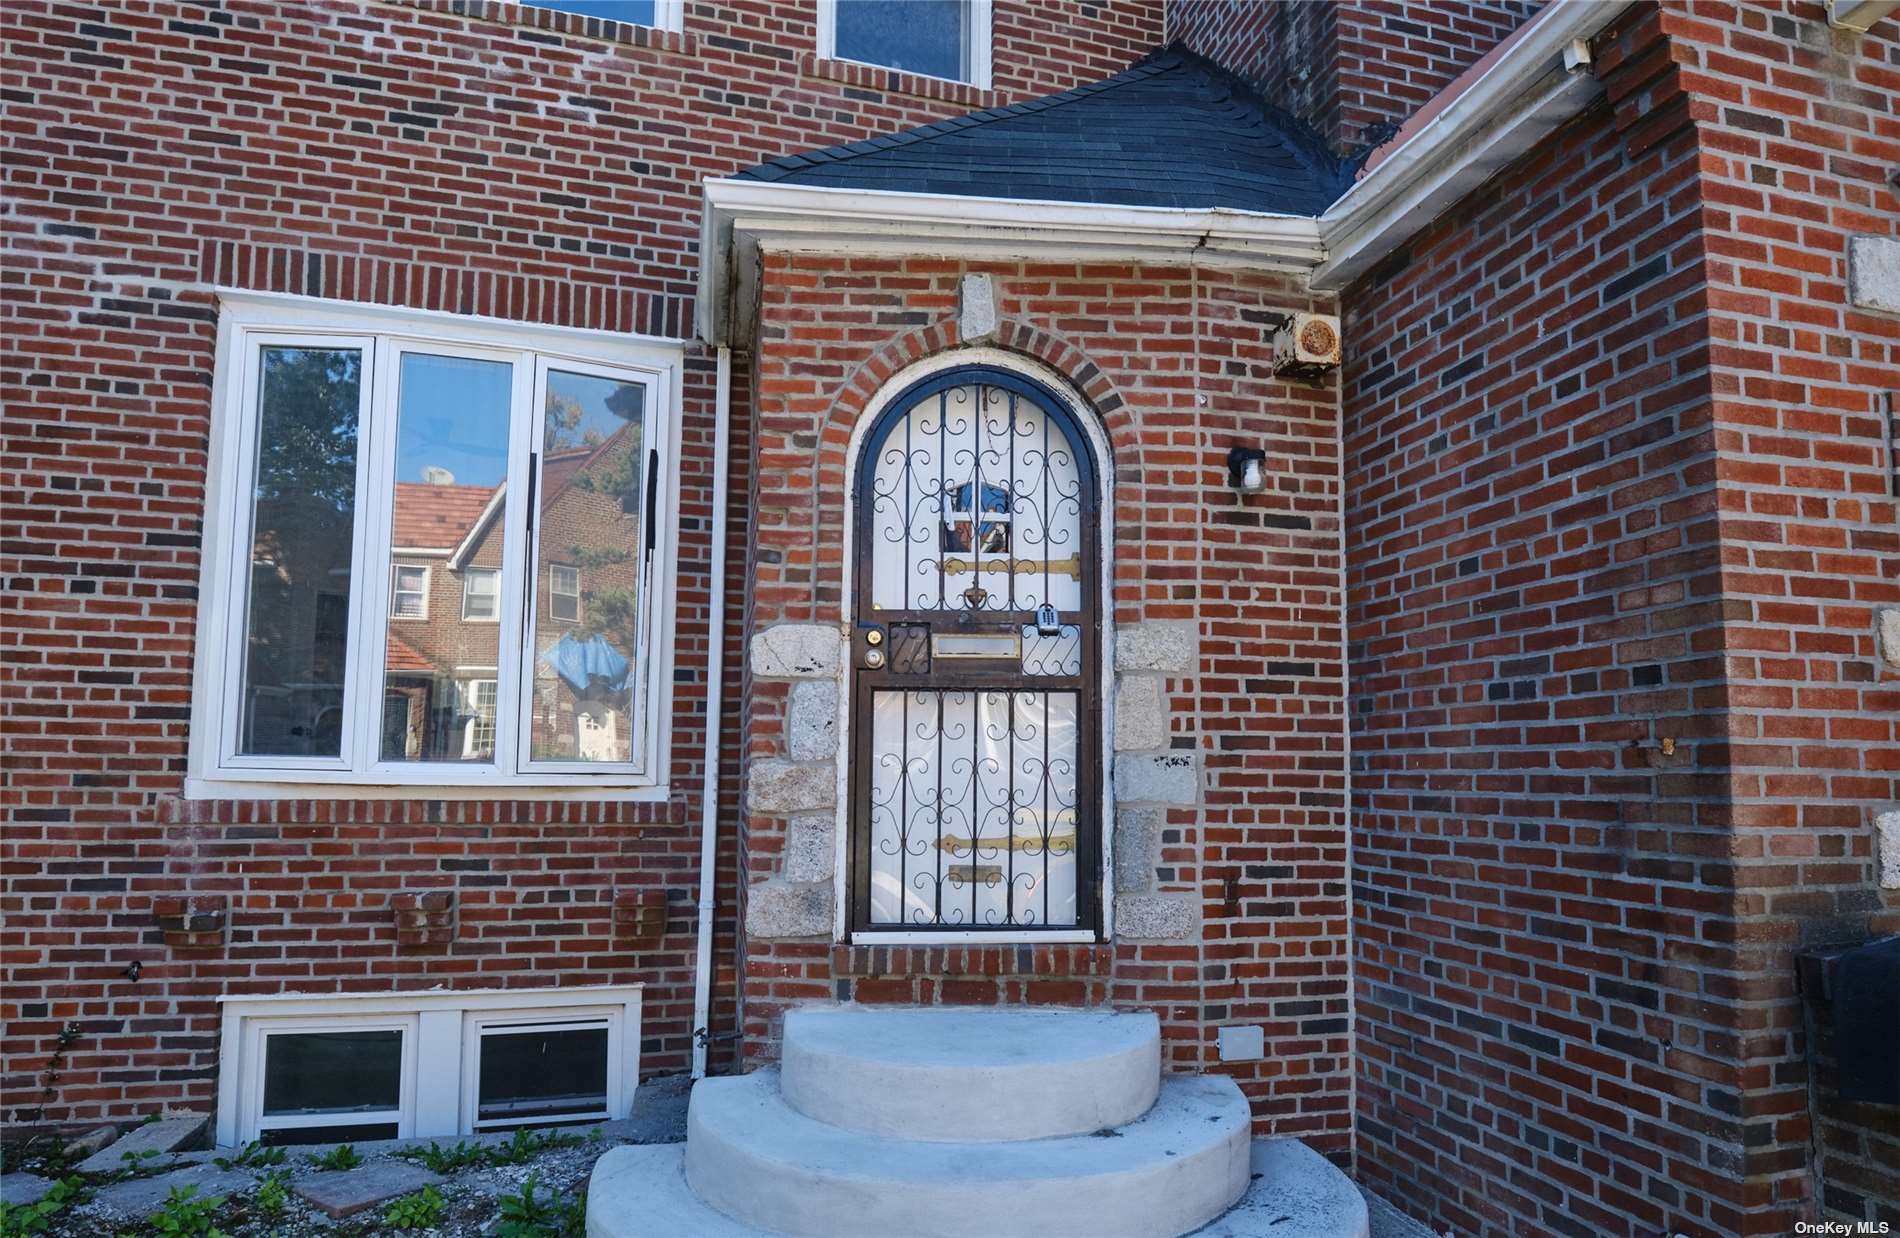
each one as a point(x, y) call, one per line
point(977, 630)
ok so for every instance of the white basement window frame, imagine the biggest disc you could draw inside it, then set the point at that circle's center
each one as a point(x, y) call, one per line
point(352, 734)
point(443, 1035)
point(975, 54)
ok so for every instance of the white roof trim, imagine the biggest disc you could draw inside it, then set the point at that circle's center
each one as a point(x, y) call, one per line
point(742, 216)
point(1525, 93)
point(458, 558)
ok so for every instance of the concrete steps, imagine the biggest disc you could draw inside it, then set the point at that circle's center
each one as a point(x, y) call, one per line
point(640, 1191)
point(1174, 1168)
point(953, 1076)
point(946, 1123)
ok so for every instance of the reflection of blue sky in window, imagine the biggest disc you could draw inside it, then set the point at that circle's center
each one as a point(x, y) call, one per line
point(455, 413)
point(605, 407)
point(639, 12)
point(919, 36)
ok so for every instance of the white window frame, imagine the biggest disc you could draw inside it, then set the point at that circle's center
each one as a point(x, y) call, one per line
point(977, 54)
point(252, 1059)
point(440, 1075)
point(250, 320)
point(468, 577)
point(667, 14)
point(475, 1027)
point(428, 583)
point(555, 595)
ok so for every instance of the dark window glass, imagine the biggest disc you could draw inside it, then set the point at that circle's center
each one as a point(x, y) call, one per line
point(636, 12)
point(326, 1134)
point(332, 1072)
point(543, 1072)
point(917, 36)
point(303, 516)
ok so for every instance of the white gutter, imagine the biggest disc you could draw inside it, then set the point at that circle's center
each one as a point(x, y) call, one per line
point(715, 694)
point(742, 216)
point(1539, 78)
point(1858, 14)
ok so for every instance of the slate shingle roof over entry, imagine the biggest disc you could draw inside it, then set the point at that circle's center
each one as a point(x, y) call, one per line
point(1173, 130)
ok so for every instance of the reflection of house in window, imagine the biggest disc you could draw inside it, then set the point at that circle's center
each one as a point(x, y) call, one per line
point(962, 534)
point(478, 733)
point(564, 592)
point(409, 591)
point(446, 595)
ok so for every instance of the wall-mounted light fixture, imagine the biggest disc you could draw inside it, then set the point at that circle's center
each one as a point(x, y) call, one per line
point(1247, 469)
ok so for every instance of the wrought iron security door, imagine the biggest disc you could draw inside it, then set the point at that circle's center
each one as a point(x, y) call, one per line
point(976, 748)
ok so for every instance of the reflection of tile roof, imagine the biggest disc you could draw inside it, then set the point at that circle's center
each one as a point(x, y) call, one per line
point(558, 467)
point(437, 517)
point(402, 656)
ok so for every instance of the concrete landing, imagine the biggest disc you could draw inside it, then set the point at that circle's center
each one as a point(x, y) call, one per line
point(641, 1192)
point(955, 1075)
point(1295, 1193)
point(1176, 1167)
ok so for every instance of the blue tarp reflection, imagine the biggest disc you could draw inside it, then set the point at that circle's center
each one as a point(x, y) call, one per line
point(583, 662)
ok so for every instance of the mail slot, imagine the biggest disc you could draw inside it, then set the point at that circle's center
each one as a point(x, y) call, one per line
point(976, 645)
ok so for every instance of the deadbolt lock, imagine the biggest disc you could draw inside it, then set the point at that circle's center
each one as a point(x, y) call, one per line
point(874, 637)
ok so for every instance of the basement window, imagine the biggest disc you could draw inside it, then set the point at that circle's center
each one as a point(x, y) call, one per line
point(935, 38)
point(347, 1067)
point(360, 450)
point(541, 1072)
point(332, 1086)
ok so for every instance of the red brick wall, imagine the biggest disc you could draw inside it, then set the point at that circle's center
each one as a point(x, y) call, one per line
point(1347, 67)
point(1800, 142)
point(1176, 362)
point(1615, 478)
point(374, 151)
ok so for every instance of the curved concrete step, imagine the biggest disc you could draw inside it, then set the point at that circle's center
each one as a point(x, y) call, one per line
point(960, 1075)
point(641, 1192)
point(761, 1162)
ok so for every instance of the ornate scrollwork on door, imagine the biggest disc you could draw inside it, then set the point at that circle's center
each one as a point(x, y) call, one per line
point(976, 738)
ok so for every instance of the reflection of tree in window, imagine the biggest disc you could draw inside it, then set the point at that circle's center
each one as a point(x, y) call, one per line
point(303, 516)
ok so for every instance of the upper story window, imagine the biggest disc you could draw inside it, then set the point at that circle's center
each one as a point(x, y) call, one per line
point(564, 592)
point(481, 594)
point(365, 460)
point(665, 14)
point(938, 38)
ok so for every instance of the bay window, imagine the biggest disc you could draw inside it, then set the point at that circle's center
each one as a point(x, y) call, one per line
point(399, 498)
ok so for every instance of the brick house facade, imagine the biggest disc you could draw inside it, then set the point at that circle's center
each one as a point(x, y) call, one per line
point(1495, 758)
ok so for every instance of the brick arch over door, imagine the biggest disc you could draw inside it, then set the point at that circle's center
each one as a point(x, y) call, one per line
point(1071, 369)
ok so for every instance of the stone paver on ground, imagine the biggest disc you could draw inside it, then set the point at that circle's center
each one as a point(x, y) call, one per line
point(139, 1197)
point(23, 1190)
point(338, 1193)
point(161, 1137)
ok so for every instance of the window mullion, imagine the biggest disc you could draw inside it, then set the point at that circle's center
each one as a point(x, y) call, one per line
point(240, 514)
point(513, 675)
point(374, 559)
